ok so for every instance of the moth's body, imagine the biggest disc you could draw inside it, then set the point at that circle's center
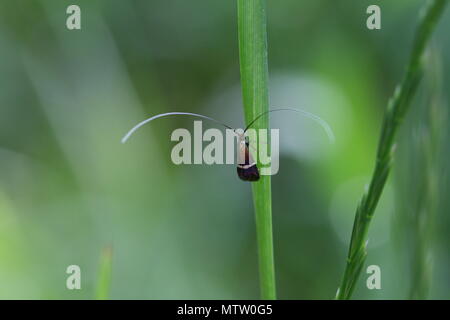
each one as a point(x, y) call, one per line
point(247, 169)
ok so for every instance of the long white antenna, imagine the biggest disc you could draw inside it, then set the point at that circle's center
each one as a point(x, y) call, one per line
point(140, 124)
point(325, 126)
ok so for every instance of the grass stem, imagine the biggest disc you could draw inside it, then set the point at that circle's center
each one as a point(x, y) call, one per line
point(254, 80)
point(424, 179)
point(104, 274)
point(396, 110)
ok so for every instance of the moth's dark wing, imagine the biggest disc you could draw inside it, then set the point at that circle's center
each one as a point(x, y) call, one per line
point(246, 166)
point(248, 174)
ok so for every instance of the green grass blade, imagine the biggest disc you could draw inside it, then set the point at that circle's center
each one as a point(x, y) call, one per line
point(396, 110)
point(428, 144)
point(104, 274)
point(254, 80)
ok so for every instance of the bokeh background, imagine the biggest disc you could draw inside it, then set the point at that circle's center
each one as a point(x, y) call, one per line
point(69, 188)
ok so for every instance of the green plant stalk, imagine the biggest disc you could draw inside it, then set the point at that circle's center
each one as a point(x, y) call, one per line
point(396, 110)
point(104, 274)
point(254, 80)
point(425, 177)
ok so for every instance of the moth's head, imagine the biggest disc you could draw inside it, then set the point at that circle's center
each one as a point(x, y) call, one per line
point(242, 138)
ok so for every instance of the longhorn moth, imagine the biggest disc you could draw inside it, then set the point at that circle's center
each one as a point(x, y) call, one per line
point(247, 168)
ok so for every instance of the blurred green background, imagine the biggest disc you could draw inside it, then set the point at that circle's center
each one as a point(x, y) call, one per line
point(69, 188)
